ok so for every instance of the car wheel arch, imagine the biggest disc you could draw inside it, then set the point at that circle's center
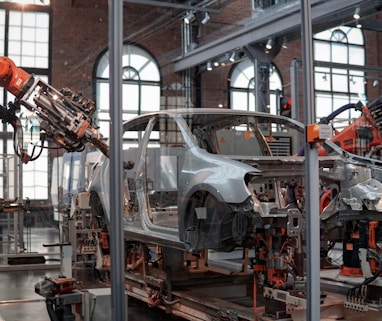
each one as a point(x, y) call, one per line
point(186, 203)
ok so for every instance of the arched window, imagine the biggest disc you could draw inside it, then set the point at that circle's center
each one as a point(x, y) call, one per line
point(242, 87)
point(141, 85)
point(339, 79)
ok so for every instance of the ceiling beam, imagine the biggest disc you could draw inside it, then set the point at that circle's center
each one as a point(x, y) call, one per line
point(174, 5)
point(325, 14)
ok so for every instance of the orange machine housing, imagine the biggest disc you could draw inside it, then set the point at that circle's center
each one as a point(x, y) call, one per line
point(12, 78)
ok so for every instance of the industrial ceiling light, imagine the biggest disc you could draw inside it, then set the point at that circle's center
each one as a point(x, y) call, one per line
point(358, 24)
point(285, 43)
point(209, 65)
point(356, 14)
point(206, 18)
point(232, 57)
point(189, 17)
point(269, 44)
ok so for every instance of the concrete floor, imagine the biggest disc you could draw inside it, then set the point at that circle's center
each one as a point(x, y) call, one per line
point(18, 300)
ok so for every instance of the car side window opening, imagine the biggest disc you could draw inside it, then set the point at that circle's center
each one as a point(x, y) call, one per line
point(243, 139)
point(204, 140)
point(163, 160)
point(132, 140)
point(244, 136)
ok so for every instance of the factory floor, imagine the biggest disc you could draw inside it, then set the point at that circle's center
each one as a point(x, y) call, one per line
point(18, 300)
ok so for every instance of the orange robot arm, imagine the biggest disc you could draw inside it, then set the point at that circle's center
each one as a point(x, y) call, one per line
point(12, 78)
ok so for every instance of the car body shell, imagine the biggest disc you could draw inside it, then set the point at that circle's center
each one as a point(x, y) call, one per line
point(228, 195)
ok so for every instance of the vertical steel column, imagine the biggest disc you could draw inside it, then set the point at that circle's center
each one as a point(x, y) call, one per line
point(311, 171)
point(187, 72)
point(295, 113)
point(294, 90)
point(118, 300)
point(257, 85)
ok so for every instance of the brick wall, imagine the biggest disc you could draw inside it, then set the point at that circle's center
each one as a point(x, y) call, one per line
point(80, 35)
point(373, 45)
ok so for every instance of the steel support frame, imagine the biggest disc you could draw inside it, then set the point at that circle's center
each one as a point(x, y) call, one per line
point(325, 14)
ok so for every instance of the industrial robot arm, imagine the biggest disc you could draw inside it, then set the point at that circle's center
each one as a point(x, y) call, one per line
point(65, 117)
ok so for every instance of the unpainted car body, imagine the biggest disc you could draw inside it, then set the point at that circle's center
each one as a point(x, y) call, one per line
point(217, 179)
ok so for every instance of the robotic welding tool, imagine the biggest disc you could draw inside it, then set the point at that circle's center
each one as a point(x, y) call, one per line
point(65, 117)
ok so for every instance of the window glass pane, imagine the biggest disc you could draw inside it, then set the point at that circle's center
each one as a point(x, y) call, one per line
point(323, 35)
point(149, 98)
point(321, 51)
point(324, 105)
point(273, 104)
point(243, 80)
point(14, 33)
point(357, 83)
point(15, 18)
point(149, 71)
point(104, 124)
point(35, 40)
point(103, 116)
point(27, 61)
point(14, 49)
point(35, 178)
point(340, 82)
point(322, 78)
point(43, 35)
point(141, 61)
point(357, 56)
point(239, 100)
point(42, 21)
point(103, 96)
point(275, 81)
point(28, 47)
point(339, 53)
point(28, 35)
point(251, 101)
point(243, 100)
point(354, 35)
point(130, 97)
point(29, 19)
